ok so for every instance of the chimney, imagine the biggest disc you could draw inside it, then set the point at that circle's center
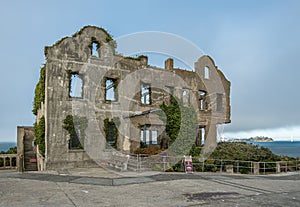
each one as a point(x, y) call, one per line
point(144, 59)
point(169, 64)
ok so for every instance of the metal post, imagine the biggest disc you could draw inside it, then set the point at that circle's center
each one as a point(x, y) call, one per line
point(164, 162)
point(264, 168)
point(137, 163)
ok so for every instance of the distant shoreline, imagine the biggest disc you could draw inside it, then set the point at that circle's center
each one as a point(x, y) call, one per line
point(4, 146)
point(253, 139)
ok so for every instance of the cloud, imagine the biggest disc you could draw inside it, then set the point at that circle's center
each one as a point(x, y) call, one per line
point(282, 133)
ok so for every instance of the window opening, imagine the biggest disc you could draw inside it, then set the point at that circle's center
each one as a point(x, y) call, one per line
point(145, 94)
point(95, 47)
point(154, 137)
point(147, 140)
point(206, 72)
point(185, 97)
point(142, 136)
point(202, 99)
point(219, 102)
point(200, 140)
point(110, 89)
point(76, 85)
point(111, 132)
point(76, 126)
point(148, 136)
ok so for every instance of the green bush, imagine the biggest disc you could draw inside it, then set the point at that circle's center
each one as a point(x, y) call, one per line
point(243, 151)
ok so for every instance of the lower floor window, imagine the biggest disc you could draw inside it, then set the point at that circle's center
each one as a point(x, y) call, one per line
point(154, 137)
point(148, 136)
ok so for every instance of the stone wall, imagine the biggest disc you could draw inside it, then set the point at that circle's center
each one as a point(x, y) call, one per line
point(74, 55)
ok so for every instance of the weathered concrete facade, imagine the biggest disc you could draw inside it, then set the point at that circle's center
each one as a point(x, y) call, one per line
point(110, 86)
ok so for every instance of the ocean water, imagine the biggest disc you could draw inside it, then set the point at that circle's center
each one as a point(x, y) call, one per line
point(287, 148)
point(4, 146)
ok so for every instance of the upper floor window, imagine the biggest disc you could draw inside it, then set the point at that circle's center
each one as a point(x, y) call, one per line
point(110, 89)
point(202, 99)
point(95, 49)
point(76, 86)
point(206, 72)
point(145, 93)
point(185, 96)
point(219, 102)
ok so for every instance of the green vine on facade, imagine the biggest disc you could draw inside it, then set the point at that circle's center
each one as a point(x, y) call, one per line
point(39, 93)
point(181, 125)
point(39, 133)
point(172, 118)
point(76, 127)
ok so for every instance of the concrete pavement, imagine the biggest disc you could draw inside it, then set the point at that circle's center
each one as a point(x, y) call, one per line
point(87, 187)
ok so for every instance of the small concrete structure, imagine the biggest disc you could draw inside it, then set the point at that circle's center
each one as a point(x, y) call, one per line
point(256, 168)
point(26, 151)
point(229, 168)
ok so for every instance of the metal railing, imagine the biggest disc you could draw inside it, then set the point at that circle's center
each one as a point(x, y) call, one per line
point(174, 163)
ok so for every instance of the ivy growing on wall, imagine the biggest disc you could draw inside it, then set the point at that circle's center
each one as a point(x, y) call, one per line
point(181, 124)
point(39, 133)
point(76, 126)
point(39, 93)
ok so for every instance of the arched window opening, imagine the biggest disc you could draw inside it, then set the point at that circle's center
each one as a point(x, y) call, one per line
point(202, 99)
point(206, 72)
point(95, 49)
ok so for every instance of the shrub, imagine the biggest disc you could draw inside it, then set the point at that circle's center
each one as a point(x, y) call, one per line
point(148, 151)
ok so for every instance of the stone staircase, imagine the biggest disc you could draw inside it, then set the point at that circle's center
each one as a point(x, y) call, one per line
point(30, 159)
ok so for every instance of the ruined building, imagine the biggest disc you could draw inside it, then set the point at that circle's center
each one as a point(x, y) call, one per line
point(91, 91)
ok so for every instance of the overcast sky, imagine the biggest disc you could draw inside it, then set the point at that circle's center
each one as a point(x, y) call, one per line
point(255, 43)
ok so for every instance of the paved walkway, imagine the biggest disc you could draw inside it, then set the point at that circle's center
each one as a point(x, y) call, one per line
point(99, 187)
